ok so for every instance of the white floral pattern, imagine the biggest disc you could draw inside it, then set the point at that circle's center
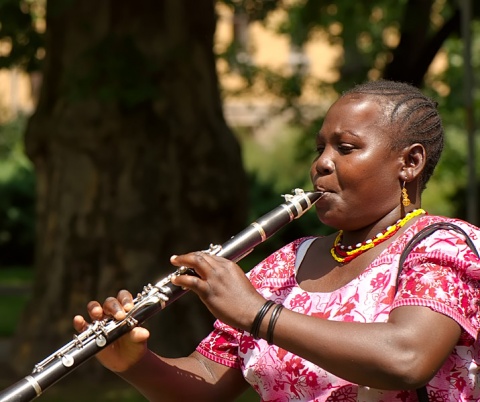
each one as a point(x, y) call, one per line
point(441, 273)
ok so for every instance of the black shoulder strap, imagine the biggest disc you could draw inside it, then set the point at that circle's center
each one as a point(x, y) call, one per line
point(427, 231)
point(422, 234)
point(422, 394)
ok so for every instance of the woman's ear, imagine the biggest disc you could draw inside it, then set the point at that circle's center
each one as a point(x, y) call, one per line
point(414, 159)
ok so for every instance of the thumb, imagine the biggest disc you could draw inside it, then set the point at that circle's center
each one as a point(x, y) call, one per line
point(139, 335)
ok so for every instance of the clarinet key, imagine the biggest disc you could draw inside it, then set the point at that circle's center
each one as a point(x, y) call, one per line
point(101, 341)
point(68, 361)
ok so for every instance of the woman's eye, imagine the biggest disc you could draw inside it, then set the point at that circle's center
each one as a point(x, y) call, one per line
point(345, 148)
point(341, 148)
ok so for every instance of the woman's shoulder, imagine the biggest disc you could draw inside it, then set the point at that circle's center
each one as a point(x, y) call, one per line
point(445, 240)
point(427, 219)
point(441, 270)
point(455, 226)
point(280, 264)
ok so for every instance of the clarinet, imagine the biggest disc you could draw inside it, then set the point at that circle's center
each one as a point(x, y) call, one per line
point(151, 300)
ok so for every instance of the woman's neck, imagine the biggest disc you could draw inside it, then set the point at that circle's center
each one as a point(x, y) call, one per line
point(353, 237)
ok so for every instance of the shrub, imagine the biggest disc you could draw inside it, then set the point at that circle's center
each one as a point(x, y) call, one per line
point(17, 200)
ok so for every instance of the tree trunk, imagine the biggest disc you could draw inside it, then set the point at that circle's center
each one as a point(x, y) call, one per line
point(134, 163)
point(418, 46)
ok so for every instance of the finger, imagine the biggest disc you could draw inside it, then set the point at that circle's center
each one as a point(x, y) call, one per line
point(197, 261)
point(126, 299)
point(190, 282)
point(95, 310)
point(79, 323)
point(113, 307)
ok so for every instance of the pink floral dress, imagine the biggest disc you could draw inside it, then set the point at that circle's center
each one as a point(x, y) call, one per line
point(441, 273)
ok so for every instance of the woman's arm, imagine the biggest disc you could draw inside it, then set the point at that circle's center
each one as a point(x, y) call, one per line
point(403, 353)
point(184, 379)
point(192, 378)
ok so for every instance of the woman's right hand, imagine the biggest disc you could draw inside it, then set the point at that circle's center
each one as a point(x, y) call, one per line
point(127, 350)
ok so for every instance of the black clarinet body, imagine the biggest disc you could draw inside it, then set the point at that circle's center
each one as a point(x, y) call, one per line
point(150, 301)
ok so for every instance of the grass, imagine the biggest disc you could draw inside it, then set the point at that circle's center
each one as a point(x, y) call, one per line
point(13, 297)
point(16, 276)
point(11, 306)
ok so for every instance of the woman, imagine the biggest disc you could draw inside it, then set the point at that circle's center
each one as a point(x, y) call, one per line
point(340, 329)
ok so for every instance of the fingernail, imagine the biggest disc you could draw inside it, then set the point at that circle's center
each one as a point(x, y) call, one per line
point(173, 257)
point(97, 310)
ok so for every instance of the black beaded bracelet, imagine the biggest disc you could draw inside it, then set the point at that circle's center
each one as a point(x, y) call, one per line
point(259, 317)
point(273, 320)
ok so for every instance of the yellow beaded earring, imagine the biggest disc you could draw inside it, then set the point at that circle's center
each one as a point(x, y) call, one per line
point(405, 199)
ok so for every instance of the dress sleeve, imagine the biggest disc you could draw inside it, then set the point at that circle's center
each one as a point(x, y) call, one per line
point(221, 345)
point(443, 273)
point(275, 272)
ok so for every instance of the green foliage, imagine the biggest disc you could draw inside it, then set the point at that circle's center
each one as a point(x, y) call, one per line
point(16, 277)
point(366, 30)
point(17, 187)
point(248, 396)
point(11, 306)
point(17, 29)
point(274, 159)
point(446, 194)
point(276, 167)
point(14, 285)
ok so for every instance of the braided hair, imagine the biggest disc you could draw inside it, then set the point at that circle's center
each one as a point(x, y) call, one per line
point(412, 114)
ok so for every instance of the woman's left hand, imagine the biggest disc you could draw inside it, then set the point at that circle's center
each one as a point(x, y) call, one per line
point(222, 286)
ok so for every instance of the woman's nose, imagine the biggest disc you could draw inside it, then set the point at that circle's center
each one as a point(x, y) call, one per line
point(324, 164)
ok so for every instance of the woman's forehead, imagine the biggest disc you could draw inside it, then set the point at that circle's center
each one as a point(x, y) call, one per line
point(355, 110)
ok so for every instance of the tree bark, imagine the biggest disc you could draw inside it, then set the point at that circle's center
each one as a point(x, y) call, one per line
point(134, 162)
point(418, 47)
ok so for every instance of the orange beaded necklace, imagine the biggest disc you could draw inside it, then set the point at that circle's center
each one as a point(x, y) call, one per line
point(343, 254)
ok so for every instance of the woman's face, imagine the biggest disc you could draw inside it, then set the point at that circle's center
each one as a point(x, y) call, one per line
point(355, 165)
